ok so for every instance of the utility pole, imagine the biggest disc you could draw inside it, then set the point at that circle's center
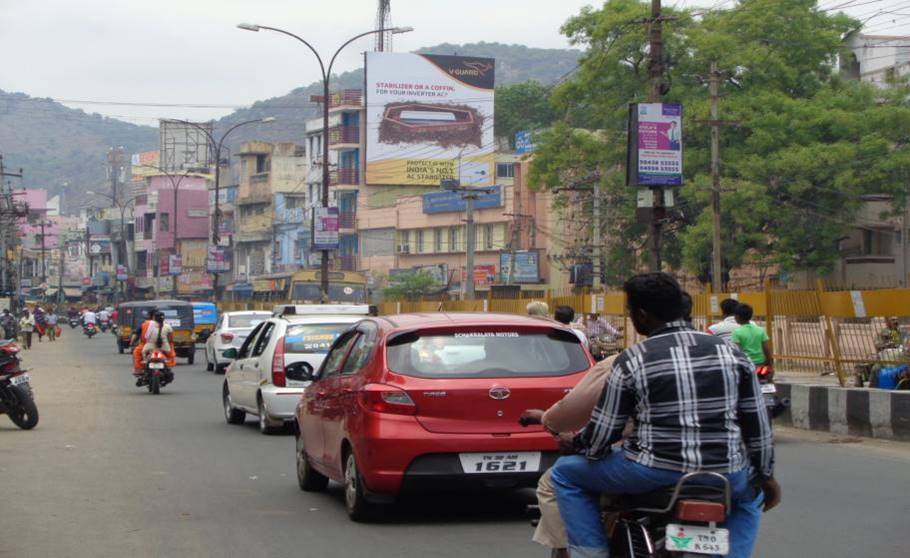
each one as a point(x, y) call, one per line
point(62, 242)
point(596, 238)
point(655, 72)
point(716, 269)
point(469, 246)
point(7, 226)
point(43, 259)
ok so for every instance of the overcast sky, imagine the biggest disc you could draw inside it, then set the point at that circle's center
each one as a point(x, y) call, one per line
point(190, 51)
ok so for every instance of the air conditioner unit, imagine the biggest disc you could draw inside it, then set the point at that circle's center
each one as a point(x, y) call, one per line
point(404, 249)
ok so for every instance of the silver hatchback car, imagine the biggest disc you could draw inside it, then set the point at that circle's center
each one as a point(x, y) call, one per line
point(231, 331)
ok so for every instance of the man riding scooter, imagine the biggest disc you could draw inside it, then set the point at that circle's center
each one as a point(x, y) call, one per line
point(696, 406)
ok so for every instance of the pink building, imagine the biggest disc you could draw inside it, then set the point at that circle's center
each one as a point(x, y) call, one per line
point(155, 218)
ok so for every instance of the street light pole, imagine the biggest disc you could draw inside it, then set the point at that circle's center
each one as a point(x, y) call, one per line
point(123, 245)
point(326, 76)
point(216, 147)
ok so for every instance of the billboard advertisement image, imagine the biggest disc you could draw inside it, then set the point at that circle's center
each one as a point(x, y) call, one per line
point(325, 228)
point(656, 144)
point(429, 117)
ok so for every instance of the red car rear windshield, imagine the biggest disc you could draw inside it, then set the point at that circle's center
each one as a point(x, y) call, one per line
point(486, 354)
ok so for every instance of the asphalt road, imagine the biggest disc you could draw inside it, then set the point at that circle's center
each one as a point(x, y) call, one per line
point(113, 471)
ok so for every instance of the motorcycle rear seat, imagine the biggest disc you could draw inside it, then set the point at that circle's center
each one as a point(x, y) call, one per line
point(660, 499)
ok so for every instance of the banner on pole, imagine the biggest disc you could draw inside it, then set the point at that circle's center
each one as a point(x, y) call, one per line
point(655, 144)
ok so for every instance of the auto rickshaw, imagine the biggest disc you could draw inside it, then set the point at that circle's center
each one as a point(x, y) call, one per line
point(130, 316)
point(205, 316)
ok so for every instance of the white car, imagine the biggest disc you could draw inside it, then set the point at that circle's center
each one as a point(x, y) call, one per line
point(231, 331)
point(276, 361)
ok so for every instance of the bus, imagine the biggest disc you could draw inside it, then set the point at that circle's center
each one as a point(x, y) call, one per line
point(344, 286)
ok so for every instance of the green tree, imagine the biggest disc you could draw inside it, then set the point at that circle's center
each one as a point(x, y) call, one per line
point(808, 147)
point(522, 106)
point(410, 286)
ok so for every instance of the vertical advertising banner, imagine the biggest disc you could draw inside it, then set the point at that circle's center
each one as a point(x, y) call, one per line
point(121, 273)
point(217, 260)
point(655, 144)
point(325, 228)
point(429, 118)
point(174, 264)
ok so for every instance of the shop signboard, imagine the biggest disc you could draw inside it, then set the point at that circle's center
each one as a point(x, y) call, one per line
point(526, 268)
point(454, 202)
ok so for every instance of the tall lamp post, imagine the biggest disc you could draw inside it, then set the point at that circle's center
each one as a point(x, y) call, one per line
point(217, 146)
point(122, 206)
point(326, 76)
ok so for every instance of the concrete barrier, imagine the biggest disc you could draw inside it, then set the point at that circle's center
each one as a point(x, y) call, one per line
point(872, 413)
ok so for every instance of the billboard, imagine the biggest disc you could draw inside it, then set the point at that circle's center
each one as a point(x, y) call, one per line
point(454, 202)
point(325, 228)
point(218, 260)
point(655, 144)
point(145, 164)
point(429, 118)
point(184, 145)
point(525, 270)
point(524, 143)
point(174, 264)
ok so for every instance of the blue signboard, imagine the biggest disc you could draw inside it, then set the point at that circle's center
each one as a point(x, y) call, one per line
point(524, 143)
point(525, 270)
point(453, 202)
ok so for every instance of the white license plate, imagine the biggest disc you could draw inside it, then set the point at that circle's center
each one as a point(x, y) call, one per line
point(768, 388)
point(697, 540)
point(505, 462)
point(19, 380)
point(156, 365)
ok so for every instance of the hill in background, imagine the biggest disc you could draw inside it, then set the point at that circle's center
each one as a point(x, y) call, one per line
point(56, 144)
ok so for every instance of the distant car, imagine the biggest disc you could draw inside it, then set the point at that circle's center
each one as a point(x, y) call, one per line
point(416, 401)
point(231, 331)
point(274, 365)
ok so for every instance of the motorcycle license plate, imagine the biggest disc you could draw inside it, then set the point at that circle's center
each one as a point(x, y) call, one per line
point(768, 388)
point(505, 462)
point(19, 380)
point(697, 540)
point(156, 365)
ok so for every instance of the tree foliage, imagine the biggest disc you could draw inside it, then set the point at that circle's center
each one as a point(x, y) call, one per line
point(523, 106)
point(808, 146)
point(410, 286)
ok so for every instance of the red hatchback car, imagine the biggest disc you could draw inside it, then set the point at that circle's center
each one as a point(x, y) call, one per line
point(415, 401)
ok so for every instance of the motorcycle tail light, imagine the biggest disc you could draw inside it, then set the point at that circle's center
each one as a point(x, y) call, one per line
point(227, 337)
point(699, 510)
point(279, 378)
point(10, 349)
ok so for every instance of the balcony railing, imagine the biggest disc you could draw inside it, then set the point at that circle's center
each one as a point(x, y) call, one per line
point(346, 98)
point(344, 135)
point(350, 177)
point(347, 220)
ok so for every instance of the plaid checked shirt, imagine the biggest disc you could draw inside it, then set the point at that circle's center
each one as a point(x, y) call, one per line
point(696, 403)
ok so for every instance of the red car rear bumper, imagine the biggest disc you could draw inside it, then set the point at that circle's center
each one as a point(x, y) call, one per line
point(396, 453)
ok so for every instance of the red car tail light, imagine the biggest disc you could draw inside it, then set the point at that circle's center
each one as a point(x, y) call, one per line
point(227, 337)
point(279, 378)
point(699, 510)
point(381, 398)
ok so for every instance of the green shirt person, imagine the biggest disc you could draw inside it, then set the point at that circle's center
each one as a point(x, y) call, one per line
point(753, 340)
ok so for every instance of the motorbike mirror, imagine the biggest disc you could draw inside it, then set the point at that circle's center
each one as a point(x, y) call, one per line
point(230, 353)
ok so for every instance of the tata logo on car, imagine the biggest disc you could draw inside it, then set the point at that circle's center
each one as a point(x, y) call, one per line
point(499, 393)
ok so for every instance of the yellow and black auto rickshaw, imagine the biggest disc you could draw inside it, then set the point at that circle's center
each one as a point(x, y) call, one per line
point(177, 313)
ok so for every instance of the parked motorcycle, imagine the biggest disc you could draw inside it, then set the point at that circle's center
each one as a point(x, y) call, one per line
point(156, 373)
point(775, 404)
point(90, 330)
point(16, 396)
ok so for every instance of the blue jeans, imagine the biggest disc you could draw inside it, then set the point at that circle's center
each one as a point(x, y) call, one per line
point(579, 483)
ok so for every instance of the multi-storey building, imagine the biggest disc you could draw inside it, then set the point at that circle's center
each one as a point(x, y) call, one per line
point(272, 183)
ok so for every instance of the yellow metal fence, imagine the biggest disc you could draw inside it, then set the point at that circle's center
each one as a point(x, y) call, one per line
point(814, 332)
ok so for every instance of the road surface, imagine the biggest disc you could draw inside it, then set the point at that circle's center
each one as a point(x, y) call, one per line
point(113, 471)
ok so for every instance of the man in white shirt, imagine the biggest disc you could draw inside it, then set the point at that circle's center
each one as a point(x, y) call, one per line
point(725, 328)
point(104, 315)
point(89, 317)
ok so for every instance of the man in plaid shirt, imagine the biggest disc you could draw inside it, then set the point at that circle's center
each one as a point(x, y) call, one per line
point(696, 405)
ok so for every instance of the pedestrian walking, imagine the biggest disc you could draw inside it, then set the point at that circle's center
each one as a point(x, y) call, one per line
point(40, 322)
point(26, 328)
point(51, 325)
